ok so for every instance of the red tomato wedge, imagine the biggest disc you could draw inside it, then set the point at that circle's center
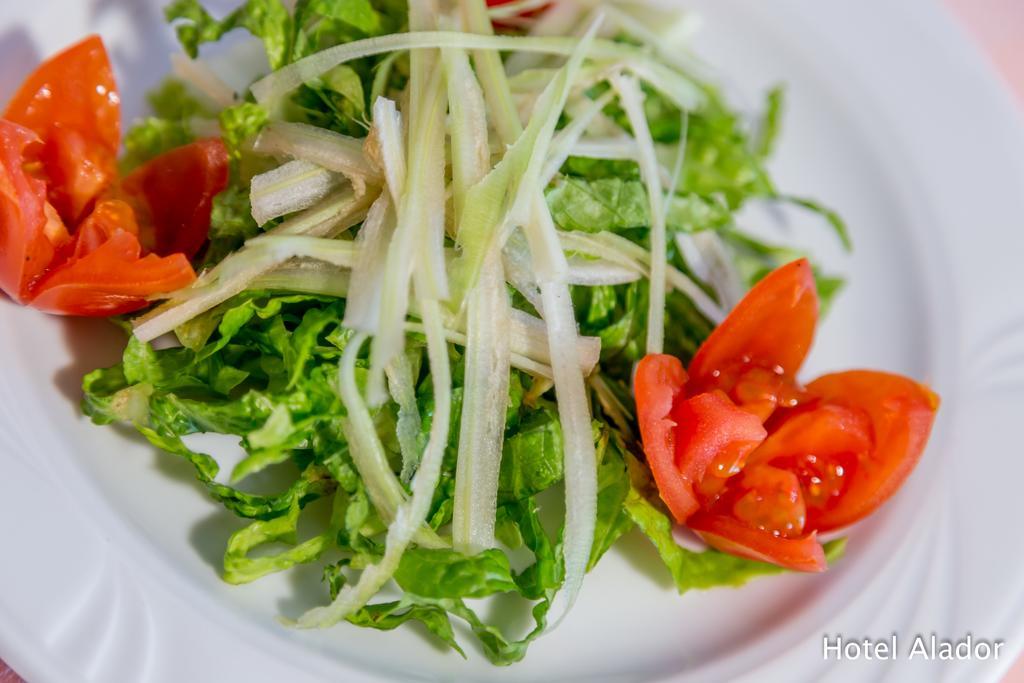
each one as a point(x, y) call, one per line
point(71, 102)
point(112, 279)
point(733, 536)
point(754, 354)
point(658, 383)
point(59, 141)
point(827, 454)
point(901, 412)
point(30, 231)
point(173, 195)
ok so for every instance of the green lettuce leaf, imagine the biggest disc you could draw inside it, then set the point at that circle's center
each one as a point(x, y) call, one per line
point(268, 20)
point(449, 574)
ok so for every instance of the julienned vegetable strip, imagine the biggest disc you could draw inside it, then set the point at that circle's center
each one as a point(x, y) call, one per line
point(632, 100)
point(368, 454)
point(362, 307)
point(327, 149)
point(488, 357)
point(291, 187)
point(492, 73)
point(420, 227)
point(411, 513)
point(333, 215)
point(573, 411)
point(677, 87)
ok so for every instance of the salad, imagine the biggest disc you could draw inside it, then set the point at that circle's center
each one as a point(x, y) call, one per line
point(469, 283)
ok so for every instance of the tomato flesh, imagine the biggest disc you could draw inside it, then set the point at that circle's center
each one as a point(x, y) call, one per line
point(72, 103)
point(30, 230)
point(173, 195)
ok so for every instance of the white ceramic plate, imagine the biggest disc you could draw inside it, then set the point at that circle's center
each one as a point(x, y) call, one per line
point(109, 552)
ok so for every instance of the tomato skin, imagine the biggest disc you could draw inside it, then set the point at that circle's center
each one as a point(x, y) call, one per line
point(901, 412)
point(803, 554)
point(112, 279)
point(30, 231)
point(71, 101)
point(173, 195)
point(658, 383)
point(767, 334)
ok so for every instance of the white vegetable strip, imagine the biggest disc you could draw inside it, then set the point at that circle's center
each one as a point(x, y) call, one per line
point(632, 100)
point(420, 228)
point(200, 76)
point(492, 73)
point(325, 148)
point(559, 20)
point(518, 361)
point(591, 273)
point(567, 138)
point(487, 357)
point(500, 201)
point(618, 249)
point(367, 452)
point(334, 215)
point(573, 409)
point(291, 187)
point(717, 267)
point(362, 309)
point(387, 138)
point(485, 401)
point(401, 385)
point(467, 111)
point(587, 272)
point(674, 85)
point(410, 516)
point(530, 337)
point(425, 184)
point(311, 277)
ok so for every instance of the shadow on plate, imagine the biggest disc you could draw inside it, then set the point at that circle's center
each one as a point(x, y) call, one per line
point(140, 63)
point(19, 55)
point(92, 343)
point(641, 555)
